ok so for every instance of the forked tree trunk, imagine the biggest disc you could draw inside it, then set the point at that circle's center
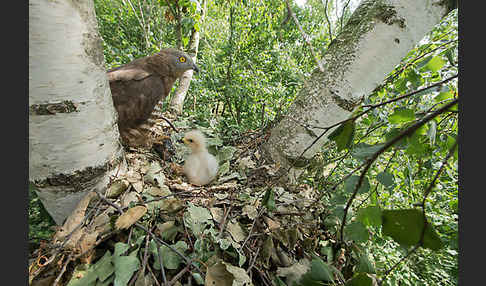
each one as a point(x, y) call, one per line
point(73, 134)
point(378, 35)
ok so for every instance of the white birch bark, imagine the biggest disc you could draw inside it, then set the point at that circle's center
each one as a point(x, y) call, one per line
point(73, 136)
point(378, 35)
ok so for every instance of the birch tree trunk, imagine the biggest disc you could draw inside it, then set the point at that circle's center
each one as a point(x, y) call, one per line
point(378, 35)
point(73, 136)
point(177, 100)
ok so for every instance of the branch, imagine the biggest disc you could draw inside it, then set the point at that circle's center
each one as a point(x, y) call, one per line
point(411, 93)
point(304, 35)
point(409, 131)
point(328, 21)
point(426, 193)
point(140, 226)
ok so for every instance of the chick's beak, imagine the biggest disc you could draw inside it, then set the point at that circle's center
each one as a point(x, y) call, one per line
point(181, 141)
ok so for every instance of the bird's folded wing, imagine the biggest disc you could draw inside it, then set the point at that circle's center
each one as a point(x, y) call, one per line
point(128, 74)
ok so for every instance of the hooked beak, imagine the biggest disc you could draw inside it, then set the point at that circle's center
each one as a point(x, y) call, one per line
point(195, 68)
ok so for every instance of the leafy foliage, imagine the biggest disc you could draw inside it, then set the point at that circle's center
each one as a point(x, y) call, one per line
point(254, 61)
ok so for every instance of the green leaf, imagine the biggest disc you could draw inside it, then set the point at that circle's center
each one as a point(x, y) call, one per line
point(362, 279)
point(445, 95)
point(449, 56)
point(104, 267)
point(356, 231)
point(401, 115)
point(197, 218)
point(386, 179)
point(450, 142)
point(120, 248)
point(405, 227)
point(351, 182)
point(226, 153)
point(170, 259)
point(320, 271)
point(269, 200)
point(365, 151)
point(435, 64)
point(415, 144)
point(125, 266)
point(394, 132)
point(414, 78)
point(370, 216)
point(343, 135)
point(83, 276)
point(423, 62)
point(364, 264)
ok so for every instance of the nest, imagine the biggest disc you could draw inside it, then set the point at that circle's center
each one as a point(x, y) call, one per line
point(150, 227)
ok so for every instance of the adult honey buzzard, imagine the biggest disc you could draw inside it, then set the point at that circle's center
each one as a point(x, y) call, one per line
point(136, 88)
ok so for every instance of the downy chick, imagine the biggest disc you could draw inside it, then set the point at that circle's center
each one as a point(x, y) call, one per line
point(200, 167)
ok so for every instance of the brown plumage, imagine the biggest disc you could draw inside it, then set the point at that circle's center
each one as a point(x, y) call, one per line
point(136, 88)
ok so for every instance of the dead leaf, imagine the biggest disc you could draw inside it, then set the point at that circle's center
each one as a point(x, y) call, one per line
point(130, 217)
point(236, 231)
point(217, 214)
point(117, 188)
point(217, 275)
point(250, 211)
point(159, 192)
point(128, 198)
point(74, 220)
point(272, 225)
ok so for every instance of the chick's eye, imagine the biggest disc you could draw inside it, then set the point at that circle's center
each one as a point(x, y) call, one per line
point(182, 59)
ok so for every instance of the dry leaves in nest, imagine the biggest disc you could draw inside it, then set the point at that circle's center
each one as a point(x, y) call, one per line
point(130, 217)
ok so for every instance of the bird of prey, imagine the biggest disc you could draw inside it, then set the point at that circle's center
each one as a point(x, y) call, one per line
point(136, 88)
point(200, 167)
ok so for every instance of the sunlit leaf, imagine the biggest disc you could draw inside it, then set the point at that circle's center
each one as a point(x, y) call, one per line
point(401, 115)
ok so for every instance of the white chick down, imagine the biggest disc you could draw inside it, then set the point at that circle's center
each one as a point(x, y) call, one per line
point(200, 167)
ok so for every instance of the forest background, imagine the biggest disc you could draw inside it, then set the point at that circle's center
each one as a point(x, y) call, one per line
point(254, 59)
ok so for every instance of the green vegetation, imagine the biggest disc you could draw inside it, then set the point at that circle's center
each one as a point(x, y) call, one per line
point(253, 62)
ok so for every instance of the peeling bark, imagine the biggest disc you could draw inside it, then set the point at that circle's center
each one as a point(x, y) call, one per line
point(377, 36)
point(73, 136)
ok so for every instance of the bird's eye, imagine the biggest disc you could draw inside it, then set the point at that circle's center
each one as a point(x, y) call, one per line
point(182, 59)
point(190, 140)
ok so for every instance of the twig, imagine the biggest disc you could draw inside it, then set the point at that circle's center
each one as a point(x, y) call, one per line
point(170, 123)
point(153, 275)
point(411, 93)
point(58, 278)
point(304, 35)
point(144, 261)
point(398, 263)
point(390, 143)
point(223, 223)
point(179, 275)
point(140, 226)
point(328, 21)
point(376, 186)
point(342, 13)
point(161, 262)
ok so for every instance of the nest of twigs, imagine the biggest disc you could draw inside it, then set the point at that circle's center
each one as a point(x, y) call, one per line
point(150, 227)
